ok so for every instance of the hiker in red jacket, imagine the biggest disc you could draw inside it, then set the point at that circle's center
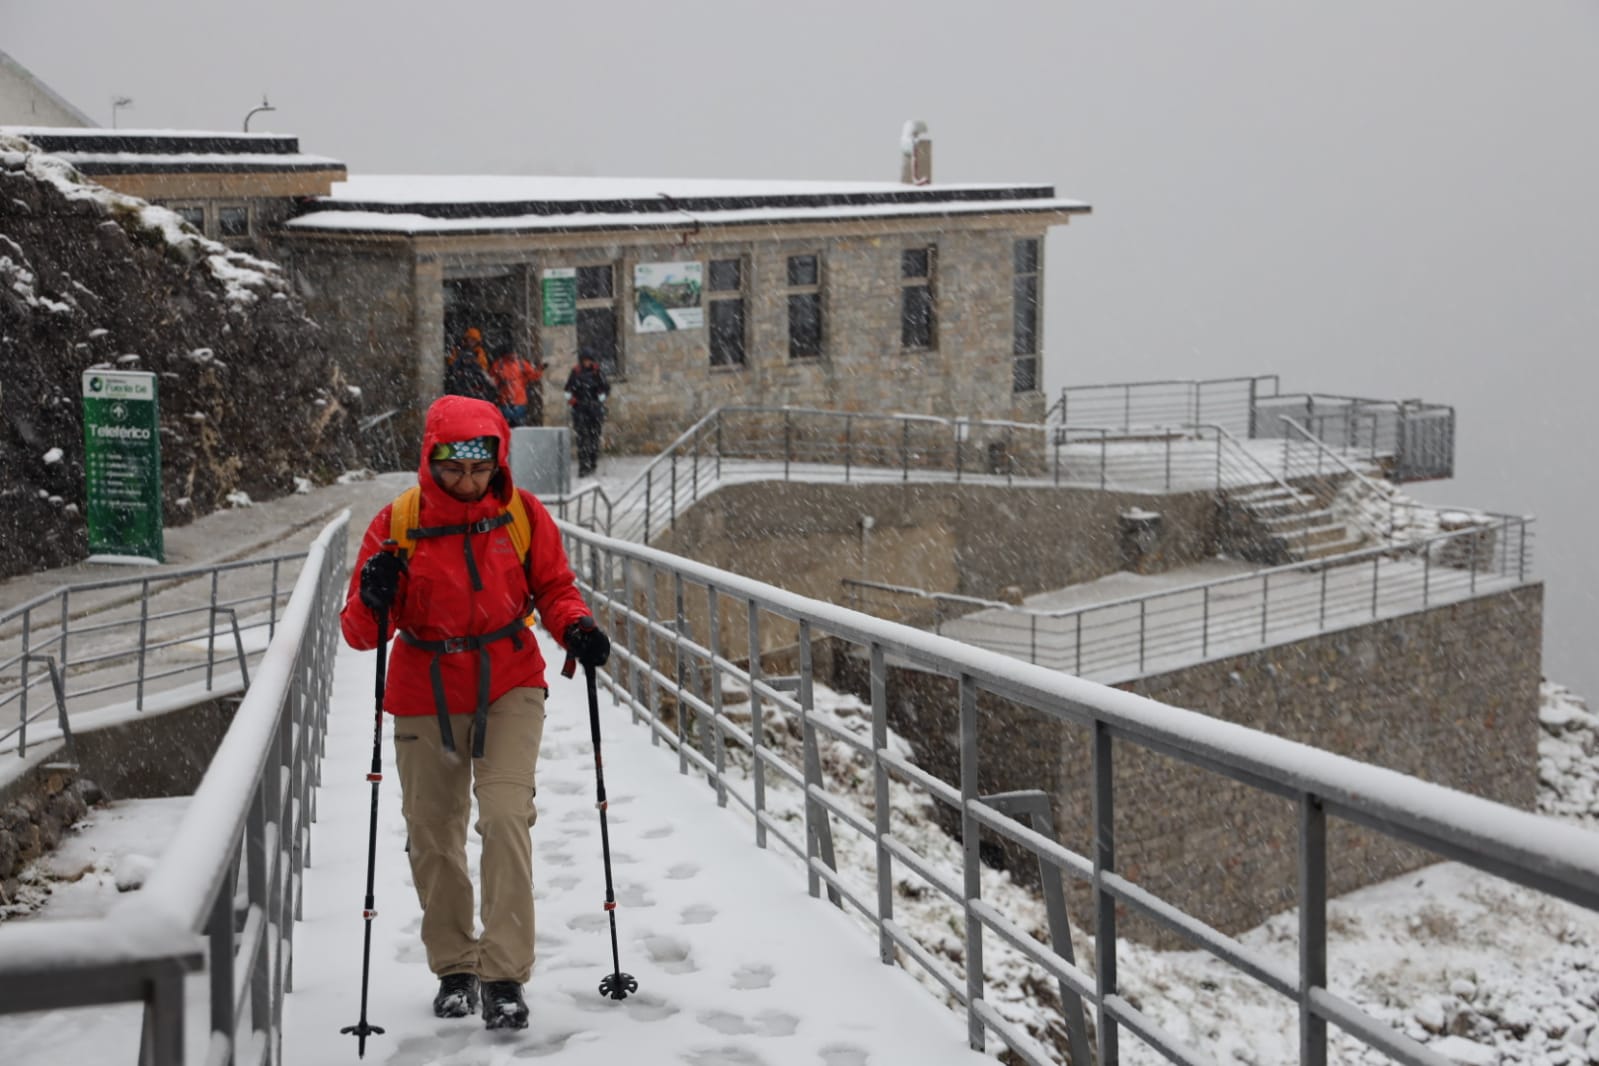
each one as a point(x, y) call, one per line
point(466, 686)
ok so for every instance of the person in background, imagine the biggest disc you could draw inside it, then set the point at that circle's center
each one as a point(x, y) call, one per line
point(466, 369)
point(516, 380)
point(466, 687)
point(586, 392)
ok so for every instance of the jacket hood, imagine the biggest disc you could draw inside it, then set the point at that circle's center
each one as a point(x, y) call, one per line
point(454, 418)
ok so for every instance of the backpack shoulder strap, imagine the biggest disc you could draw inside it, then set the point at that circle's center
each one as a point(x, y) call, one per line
point(521, 525)
point(403, 515)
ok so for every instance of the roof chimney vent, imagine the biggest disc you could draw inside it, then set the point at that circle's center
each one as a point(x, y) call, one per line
point(915, 154)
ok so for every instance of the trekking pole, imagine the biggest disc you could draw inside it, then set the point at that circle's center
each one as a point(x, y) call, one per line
point(363, 1028)
point(615, 984)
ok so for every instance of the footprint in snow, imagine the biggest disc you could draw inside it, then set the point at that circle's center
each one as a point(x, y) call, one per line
point(723, 1056)
point(758, 975)
point(697, 914)
point(670, 953)
point(843, 1055)
point(641, 1006)
point(766, 1023)
point(657, 832)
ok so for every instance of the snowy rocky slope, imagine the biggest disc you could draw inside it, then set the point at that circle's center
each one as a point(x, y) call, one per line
point(1479, 969)
point(250, 400)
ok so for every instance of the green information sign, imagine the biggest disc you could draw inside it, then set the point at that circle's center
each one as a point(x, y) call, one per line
point(560, 296)
point(122, 449)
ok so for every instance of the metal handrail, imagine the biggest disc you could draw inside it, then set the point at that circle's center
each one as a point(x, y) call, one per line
point(77, 627)
point(695, 656)
point(249, 818)
point(1164, 626)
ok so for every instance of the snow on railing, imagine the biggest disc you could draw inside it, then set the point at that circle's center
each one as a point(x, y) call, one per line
point(249, 819)
point(726, 670)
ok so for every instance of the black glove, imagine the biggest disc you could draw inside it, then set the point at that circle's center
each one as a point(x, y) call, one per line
point(380, 580)
point(587, 642)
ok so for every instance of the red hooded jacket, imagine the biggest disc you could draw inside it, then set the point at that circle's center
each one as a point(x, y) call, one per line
point(436, 599)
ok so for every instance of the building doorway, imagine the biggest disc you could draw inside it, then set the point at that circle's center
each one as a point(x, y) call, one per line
point(496, 306)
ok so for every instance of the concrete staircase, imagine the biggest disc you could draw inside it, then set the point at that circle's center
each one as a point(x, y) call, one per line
point(1276, 524)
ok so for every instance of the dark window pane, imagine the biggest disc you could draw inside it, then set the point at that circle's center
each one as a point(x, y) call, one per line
point(596, 335)
point(916, 317)
point(805, 324)
point(233, 221)
point(194, 216)
point(915, 263)
point(1027, 257)
point(1025, 321)
point(727, 332)
point(1024, 374)
point(803, 270)
point(595, 282)
point(727, 275)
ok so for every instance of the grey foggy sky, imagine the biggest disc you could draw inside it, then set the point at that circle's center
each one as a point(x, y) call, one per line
point(1390, 199)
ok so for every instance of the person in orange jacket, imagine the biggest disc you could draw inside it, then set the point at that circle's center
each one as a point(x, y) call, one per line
point(466, 676)
point(516, 379)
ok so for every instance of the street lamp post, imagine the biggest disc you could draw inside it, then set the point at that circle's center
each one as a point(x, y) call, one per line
point(256, 110)
point(118, 102)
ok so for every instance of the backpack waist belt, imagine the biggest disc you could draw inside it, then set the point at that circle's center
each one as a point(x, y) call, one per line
point(454, 646)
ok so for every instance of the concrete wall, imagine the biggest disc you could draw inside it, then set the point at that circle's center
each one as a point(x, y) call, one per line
point(667, 381)
point(1449, 695)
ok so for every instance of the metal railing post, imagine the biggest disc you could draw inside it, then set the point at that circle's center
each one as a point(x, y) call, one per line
point(1142, 614)
point(905, 449)
point(1374, 560)
point(1312, 928)
point(757, 735)
point(714, 734)
point(211, 633)
point(788, 441)
point(972, 863)
point(881, 823)
point(144, 630)
point(671, 514)
point(1104, 902)
point(1204, 623)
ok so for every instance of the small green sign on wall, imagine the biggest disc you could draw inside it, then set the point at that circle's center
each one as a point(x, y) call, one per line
point(560, 296)
point(122, 468)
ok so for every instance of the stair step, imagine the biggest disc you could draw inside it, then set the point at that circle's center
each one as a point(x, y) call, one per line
point(1331, 548)
point(1320, 517)
point(1312, 533)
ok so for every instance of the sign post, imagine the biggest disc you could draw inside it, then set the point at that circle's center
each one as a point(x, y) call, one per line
point(122, 465)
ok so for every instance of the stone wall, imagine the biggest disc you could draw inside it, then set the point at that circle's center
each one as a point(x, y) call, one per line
point(1449, 695)
point(972, 540)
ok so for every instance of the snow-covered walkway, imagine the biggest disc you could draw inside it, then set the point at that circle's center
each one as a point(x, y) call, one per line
point(736, 965)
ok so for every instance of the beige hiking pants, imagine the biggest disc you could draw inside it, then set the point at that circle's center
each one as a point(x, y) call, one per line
point(437, 807)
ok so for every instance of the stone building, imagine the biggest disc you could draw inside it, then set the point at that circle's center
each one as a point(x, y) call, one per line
point(863, 296)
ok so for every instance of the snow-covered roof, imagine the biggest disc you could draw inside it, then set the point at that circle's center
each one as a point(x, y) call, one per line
point(435, 204)
point(102, 151)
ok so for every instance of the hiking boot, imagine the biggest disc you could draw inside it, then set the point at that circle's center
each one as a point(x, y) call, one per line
point(457, 995)
point(503, 1005)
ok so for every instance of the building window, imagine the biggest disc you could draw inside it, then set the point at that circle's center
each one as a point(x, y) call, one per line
point(918, 315)
point(193, 214)
point(597, 333)
point(1024, 288)
point(233, 221)
point(726, 296)
point(804, 306)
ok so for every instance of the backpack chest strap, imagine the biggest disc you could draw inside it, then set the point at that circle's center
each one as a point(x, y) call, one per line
point(482, 525)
